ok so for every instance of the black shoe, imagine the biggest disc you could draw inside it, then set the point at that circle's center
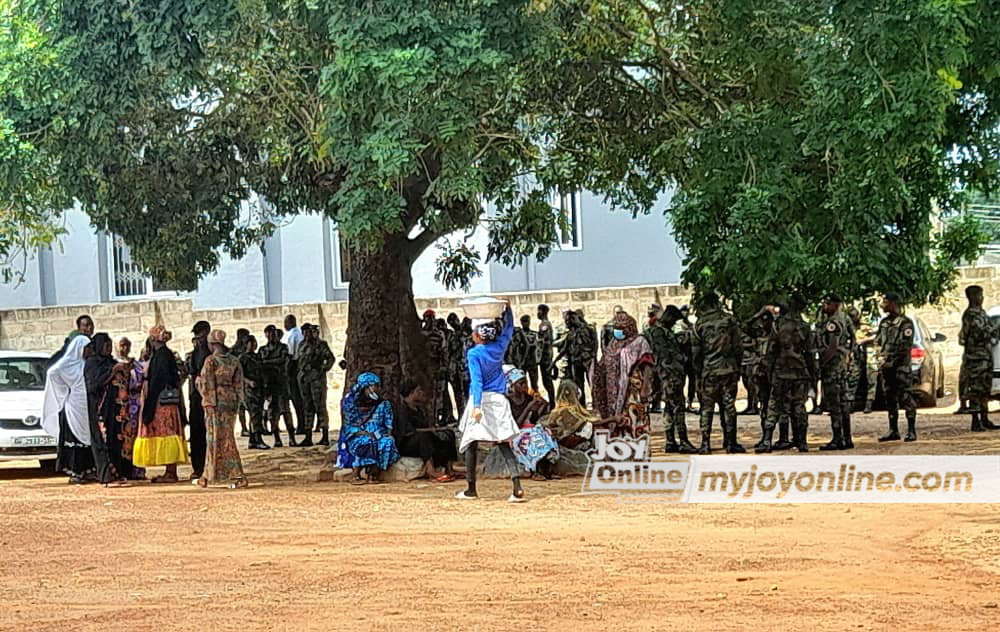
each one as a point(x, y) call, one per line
point(977, 426)
point(868, 410)
point(735, 448)
point(911, 430)
point(326, 438)
point(307, 442)
point(987, 424)
point(833, 445)
point(802, 447)
point(780, 445)
point(257, 442)
point(749, 411)
point(892, 435)
point(764, 445)
point(277, 441)
point(706, 441)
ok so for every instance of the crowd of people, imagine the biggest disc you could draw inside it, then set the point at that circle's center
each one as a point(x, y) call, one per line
point(116, 415)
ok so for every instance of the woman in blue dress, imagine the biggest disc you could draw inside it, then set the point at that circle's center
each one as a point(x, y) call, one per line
point(366, 434)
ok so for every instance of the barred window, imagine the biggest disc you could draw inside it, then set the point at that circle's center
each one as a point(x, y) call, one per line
point(127, 278)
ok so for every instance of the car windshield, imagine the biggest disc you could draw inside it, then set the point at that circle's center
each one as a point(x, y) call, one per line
point(22, 374)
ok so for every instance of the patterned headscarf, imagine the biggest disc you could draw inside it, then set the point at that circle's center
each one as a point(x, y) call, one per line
point(627, 324)
point(514, 375)
point(488, 331)
point(368, 379)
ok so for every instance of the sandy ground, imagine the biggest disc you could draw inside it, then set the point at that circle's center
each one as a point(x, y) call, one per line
point(288, 554)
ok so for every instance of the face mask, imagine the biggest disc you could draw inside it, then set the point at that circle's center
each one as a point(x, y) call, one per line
point(372, 395)
point(618, 334)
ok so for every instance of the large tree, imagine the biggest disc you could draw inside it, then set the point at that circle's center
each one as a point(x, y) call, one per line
point(192, 127)
point(812, 143)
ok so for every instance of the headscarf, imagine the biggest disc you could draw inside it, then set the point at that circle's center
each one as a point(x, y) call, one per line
point(66, 391)
point(611, 375)
point(488, 331)
point(161, 374)
point(367, 379)
point(514, 375)
point(568, 416)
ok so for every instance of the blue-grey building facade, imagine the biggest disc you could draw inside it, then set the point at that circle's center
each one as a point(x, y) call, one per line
point(303, 263)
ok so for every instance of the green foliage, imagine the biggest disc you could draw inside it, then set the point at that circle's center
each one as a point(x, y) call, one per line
point(191, 126)
point(809, 142)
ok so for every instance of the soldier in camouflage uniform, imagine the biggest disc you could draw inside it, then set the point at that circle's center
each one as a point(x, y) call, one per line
point(578, 346)
point(669, 353)
point(975, 381)
point(458, 369)
point(791, 363)
point(760, 328)
point(656, 405)
point(436, 342)
point(835, 344)
point(517, 350)
point(315, 361)
point(749, 363)
point(857, 362)
point(545, 359)
point(532, 356)
point(253, 391)
point(895, 340)
point(716, 347)
point(274, 362)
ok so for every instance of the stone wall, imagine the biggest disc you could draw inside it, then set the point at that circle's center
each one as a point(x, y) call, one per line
point(43, 329)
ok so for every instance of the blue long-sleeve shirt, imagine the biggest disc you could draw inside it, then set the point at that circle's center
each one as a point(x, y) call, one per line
point(486, 363)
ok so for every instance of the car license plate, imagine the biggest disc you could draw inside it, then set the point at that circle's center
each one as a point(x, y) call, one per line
point(34, 441)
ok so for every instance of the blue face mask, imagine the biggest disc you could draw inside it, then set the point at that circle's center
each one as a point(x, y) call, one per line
point(618, 334)
point(372, 395)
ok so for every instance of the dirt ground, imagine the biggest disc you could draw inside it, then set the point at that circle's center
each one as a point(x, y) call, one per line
point(290, 554)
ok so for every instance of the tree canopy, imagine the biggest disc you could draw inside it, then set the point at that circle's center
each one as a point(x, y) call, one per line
point(811, 143)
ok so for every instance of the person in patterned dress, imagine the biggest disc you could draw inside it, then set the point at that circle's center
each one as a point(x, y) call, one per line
point(622, 380)
point(221, 386)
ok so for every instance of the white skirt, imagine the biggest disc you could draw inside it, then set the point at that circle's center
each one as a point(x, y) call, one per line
point(496, 425)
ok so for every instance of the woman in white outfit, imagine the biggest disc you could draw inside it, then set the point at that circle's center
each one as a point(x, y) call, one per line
point(487, 415)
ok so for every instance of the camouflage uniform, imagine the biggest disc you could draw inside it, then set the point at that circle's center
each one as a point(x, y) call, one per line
point(274, 361)
point(869, 353)
point(517, 350)
point(458, 368)
point(532, 357)
point(580, 345)
point(749, 365)
point(545, 342)
point(668, 350)
point(656, 394)
point(716, 349)
point(791, 362)
point(253, 371)
point(835, 344)
point(895, 340)
point(315, 361)
point(437, 350)
point(975, 380)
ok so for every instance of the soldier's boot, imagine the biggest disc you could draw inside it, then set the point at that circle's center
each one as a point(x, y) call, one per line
point(292, 443)
point(257, 442)
point(307, 440)
point(325, 440)
point(848, 440)
point(706, 441)
point(836, 443)
point(911, 428)
point(670, 444)
point(799, 438)
point(869, 404)
point(893, 434)
point(763, 428)
point(764, 446)
point(783, 442)
point(733, 445)
point(977, 423)
point(683, 445)
point(277, 435)
point(984, 417)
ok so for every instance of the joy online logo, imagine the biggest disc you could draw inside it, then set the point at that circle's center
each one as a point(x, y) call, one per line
point(621, 465)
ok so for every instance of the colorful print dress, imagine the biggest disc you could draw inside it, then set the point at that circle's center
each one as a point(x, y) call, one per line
point(221, 386)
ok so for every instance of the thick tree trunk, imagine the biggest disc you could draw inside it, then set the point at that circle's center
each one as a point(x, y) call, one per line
point(383, 329)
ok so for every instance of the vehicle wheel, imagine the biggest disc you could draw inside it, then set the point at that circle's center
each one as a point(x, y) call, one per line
point(48, 465)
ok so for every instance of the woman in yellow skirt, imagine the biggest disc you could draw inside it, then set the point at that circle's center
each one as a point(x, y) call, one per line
point(161, 434)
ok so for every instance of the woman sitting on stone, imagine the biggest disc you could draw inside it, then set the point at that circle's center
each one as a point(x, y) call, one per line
point(366, 434)
point(535, 448)
point(416, 438)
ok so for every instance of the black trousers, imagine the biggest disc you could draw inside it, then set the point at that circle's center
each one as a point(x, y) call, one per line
point(546, 371)
point(578, 373)
point(429, 446)
point(295, 393)
point(196, 428)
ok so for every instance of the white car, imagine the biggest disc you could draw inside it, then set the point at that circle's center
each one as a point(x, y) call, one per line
point(22, 391)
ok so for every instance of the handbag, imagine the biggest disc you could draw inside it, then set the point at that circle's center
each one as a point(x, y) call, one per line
point(170, 396)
